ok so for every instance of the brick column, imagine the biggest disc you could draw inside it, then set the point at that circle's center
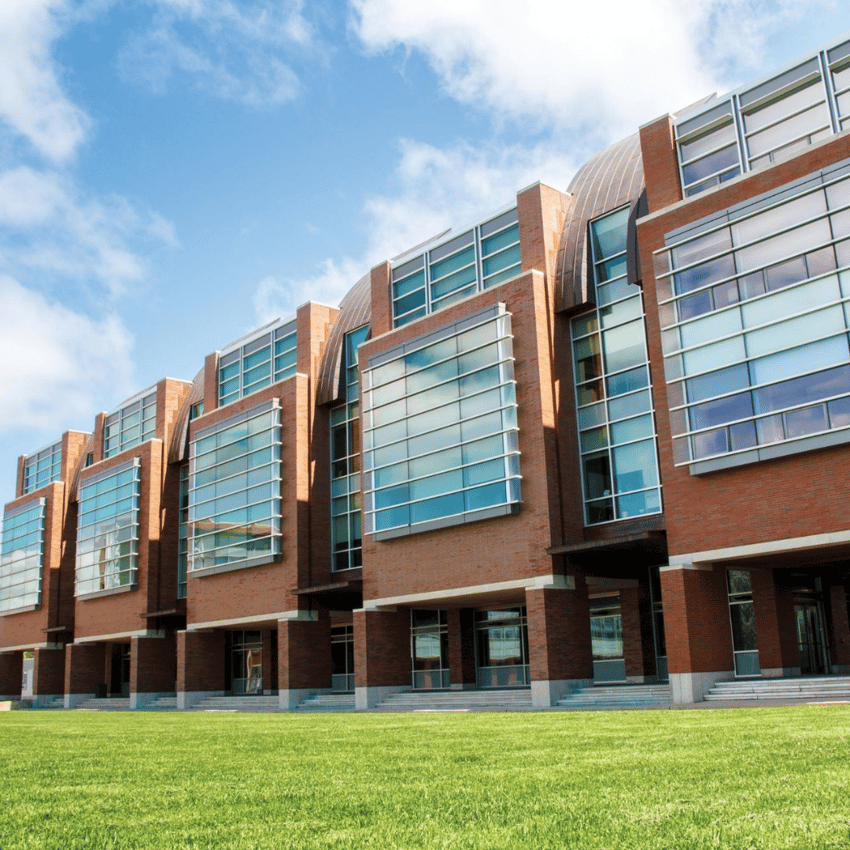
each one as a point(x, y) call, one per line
point(696, 626)
point(153, 668)
point(559, 647)
point(462, 648)
point(85, 666)
point(775, 630)
point(381, 655)
point(200, 666)
point(638, 643)
point(48, 674)
point(304, 659)
point(270, 660)
point(11, 675)
point(839, 629)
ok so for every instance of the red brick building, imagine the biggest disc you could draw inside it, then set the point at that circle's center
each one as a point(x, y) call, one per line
point(596, 437)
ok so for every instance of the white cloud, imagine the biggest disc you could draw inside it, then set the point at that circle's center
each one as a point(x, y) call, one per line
point(434, 189)
point(32, 102)
point(601, 68)
point(60, 364)
point(229, 49)
point(52, 230)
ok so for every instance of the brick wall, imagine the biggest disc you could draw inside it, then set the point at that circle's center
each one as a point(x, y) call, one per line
point(153, 664)
point(201, 661)
point(304, 653)
point(382, 648)
point(559, 633)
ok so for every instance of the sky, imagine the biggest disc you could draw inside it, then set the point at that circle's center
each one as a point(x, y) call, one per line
point(175, 173)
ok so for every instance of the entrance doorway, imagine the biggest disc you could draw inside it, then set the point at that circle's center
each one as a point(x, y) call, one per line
point(810, 638)
point(501, 638)
point(342, 659)
point(246, 659)
point(119, 670)
point(429, 649)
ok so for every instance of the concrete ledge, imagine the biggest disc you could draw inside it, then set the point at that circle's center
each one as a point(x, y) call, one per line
point(144, 699)
point(688, 688)
point(290, 699)
point(73, 700)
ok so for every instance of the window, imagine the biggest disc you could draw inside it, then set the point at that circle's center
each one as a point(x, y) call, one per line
point(743, 618)
point(22, 558)
point(766, 122)
point(616, 424)
point(501, 637)
point(133, 424)
point(234, 492)
point(342, 658)
point(482, 257)
point(196, 410)
point(183, 533)
point(429, 649)
point(755, 315)
point(345, 463)
point(108, 530)
point(440, 428)
point(42, 468)
point(258, 363)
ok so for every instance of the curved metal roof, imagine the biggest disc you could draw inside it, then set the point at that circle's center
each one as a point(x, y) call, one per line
point(178, 451)
point(355, 310)
point(608, 180)
point(75, 481)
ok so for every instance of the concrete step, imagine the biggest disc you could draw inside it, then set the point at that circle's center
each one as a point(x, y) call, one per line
point(107, 704)
point(618, 696)
point(328, 702)
point(259, 704)
point(166, 703)
point(810, 688)
point(484, 700)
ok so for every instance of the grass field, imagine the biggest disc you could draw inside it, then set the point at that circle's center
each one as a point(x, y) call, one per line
point(760, 778)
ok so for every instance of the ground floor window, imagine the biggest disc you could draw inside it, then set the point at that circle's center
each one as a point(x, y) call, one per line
point(809, 624)
point(606, 636)
point(501, 637)
point(429, 648)
point(342, 658)
point(246, 660)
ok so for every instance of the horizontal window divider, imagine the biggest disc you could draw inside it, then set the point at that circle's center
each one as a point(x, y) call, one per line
point(778, 95)
point(786, 117)
point(609, 445)
point(204, 517)
point(447, 517)
point(238, 528)
point(370, 469)
point(371, 410)
point(453, 271)
point(786, 142)
point(619, 493)
point(713, 173)
point(369, 429)
point(743, 331)
point(402, 482)
point(705, 129)
point(622, 395)
point(232, 566)
point(726, 143)
point(273, 462)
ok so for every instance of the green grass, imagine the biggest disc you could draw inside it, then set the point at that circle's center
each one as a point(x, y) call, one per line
point(761, 778)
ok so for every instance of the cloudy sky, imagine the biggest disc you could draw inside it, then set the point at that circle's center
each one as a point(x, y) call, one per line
point(174, 173)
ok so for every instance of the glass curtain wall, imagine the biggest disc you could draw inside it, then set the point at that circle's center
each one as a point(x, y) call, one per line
point(42, 468)
point(501, 637)
point(22, 557)
point(234, 492)
point(755, 314)
point(345, 463)
point(108, 530)
point(440, 428)
point(617, 428)
point(131, 425)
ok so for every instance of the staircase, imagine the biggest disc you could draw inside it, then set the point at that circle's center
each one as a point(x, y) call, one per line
point(256, 704)
point(515, 699)
point(811, 689)
point(599, 697)
point(166, 703)
point(107, 704)
point(328, 702)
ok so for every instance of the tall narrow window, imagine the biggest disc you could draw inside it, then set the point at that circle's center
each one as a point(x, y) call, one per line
point(743, 617)
point(183, 533)
point(345, 463)
point(617, 428)
point(22, 558)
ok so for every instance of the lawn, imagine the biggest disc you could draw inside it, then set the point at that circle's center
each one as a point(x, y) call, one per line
point(760, 778)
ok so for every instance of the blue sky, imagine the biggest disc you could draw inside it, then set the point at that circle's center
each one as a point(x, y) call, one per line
point(174, 173)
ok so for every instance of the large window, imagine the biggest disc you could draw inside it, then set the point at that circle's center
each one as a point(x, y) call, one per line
point(743, 617)
point(501, 637)
point(345, 463)
point(765, 122)
point(440, 428)
point(477, 259)
point(616, 425)
point(755, 313)
point(22, 558)
point(429, 649)
point(108, 530)
point(234, 492)
point(42, 468)
point(258, 363)
point(133, 424)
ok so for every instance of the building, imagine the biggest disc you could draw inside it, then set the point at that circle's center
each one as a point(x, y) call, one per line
point(598, 436)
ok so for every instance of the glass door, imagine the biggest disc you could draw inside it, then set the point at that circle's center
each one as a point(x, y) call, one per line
point(606, 637)
point(246, 656)
point(429, 649)
point(502, 648)
point(810, 637)
point(742, 614)
point(342, 658)
point(658, 625)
